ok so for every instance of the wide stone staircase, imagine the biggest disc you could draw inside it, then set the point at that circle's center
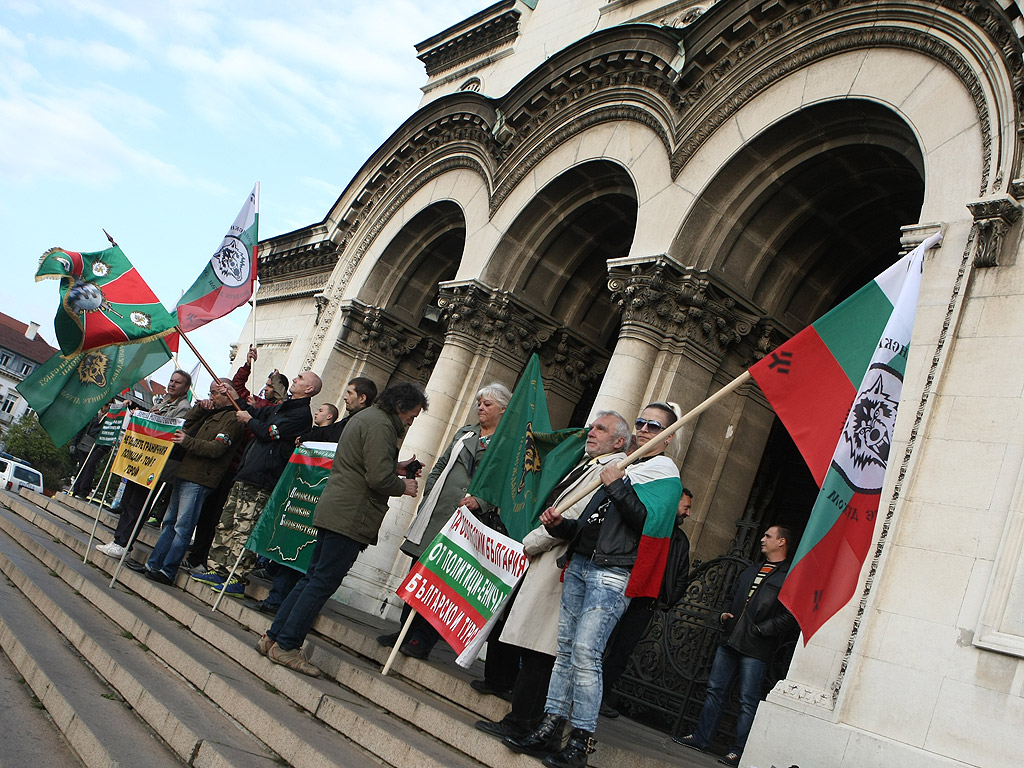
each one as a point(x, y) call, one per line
point(139, 674)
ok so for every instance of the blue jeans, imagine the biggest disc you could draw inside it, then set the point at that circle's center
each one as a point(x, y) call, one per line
point(593, 599)
point(724, 669)
point(284, 582)
point(333, 555)
point(179, 522)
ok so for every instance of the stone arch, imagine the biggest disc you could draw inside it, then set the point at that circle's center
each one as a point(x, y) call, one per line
point(553, 258)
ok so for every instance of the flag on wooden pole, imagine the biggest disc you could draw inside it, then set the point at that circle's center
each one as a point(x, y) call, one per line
point(836, 387)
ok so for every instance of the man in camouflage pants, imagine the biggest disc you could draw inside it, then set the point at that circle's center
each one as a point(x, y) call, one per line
point(274, 429)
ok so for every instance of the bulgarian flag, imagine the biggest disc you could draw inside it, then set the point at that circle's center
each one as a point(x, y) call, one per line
point(657, 485)
point(145, 447)
point(836, 386)
point(103, 301)
point(230, 276)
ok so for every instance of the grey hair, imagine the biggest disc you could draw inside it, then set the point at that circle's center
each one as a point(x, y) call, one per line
point(497, 392)
point(621, 425)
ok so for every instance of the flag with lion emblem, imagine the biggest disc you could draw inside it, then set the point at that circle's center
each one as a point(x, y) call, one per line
point(525, 459)
point(228, 280)
point(103, 301)
point(68, 391)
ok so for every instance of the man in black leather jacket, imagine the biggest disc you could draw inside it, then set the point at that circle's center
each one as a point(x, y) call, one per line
point(752, 628)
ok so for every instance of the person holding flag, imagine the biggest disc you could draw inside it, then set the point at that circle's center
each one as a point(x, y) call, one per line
point(617, 550)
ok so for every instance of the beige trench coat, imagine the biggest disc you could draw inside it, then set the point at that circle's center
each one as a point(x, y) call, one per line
point(533, 619)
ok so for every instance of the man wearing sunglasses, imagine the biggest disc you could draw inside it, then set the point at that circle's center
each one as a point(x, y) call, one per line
point(616, 551)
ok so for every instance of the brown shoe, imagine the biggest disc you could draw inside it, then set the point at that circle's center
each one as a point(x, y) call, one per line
point(263, 645)
point(292, 659)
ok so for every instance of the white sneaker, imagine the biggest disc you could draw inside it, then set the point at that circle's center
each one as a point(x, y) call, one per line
point(112, 549)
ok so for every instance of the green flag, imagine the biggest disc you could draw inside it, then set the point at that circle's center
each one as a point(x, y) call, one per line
point(284, 531)
point(68, 391)
point(525, 458)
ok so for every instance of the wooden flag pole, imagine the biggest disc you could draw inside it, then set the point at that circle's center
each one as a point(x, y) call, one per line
point(586, 489)
point(206, 366)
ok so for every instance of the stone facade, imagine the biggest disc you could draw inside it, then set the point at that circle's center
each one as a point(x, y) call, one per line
point(652, 195)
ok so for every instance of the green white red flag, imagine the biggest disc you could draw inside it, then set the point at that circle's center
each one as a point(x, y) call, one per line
point(229, 278)
point(103, 301)
point(836, 386)
point(145, 447)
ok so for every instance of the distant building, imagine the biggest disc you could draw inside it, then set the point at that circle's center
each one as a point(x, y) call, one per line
point(21, 352)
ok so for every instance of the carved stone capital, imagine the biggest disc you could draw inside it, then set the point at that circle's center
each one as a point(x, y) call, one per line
point(993, 217)
point(479, 317)
point(377, 334)
point(574, 362)
point(679, 303)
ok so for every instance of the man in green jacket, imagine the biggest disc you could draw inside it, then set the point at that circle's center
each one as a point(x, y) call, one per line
point(365, 473)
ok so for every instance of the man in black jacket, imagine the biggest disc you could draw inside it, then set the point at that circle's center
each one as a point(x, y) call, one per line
point(752, 629)
point(274, 429)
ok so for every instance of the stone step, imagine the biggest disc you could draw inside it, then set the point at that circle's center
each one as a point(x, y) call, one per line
point(433, 696)
point(208, 642)
point(90, 714)
point(188, 724)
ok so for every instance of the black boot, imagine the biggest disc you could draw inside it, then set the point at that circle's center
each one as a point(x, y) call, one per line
point(581, 744)
point(547, 738)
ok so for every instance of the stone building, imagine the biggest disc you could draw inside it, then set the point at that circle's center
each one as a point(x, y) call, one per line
point(653, 194)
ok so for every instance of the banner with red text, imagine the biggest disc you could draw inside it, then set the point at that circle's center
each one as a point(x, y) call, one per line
point(461, 582)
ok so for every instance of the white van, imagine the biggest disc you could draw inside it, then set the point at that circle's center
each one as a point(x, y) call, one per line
point(14, 475)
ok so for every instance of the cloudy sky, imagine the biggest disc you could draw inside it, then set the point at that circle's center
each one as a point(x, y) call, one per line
point(153, 120)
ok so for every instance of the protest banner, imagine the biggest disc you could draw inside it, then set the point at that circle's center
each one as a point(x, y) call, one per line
point(145, 447)
point(112, 424)
point(284, 531)
point(462, 581)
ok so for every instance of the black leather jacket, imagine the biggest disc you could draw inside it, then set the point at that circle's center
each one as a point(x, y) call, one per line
point(274, 429)
point(619, 534)
point(761, 623)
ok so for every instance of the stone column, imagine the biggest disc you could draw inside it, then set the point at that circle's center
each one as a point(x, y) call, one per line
point(490, 336)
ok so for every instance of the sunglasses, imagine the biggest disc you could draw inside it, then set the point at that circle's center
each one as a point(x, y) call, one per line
point(652, 426)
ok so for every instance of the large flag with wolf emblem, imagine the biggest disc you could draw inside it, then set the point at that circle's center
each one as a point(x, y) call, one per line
point(525, 458)
point(836, 386)
point(228, 280)
point(103, 301)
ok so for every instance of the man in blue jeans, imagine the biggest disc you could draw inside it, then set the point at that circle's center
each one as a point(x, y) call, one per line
point(752, 628)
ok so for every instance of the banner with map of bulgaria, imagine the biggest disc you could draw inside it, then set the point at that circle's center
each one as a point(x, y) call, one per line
point(284, 531)
point(145, 447)
point(112, 424)
point(462, 581)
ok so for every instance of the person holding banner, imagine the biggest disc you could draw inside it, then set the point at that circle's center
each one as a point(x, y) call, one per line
point(365, 472)
point(274, 391)
point(532, 623)
point(617, 550)
point(174, 405)
point(443, 492)
point(208, 438)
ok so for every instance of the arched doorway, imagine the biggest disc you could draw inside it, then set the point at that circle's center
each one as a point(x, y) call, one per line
point(802, 216)
point(553, 259)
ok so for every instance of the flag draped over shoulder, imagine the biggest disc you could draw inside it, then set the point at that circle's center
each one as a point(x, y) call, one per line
point(836, 386)
point(525, 458)
point(103, 300)
point(68, 391)
point(228, 280)
point(658, 486)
